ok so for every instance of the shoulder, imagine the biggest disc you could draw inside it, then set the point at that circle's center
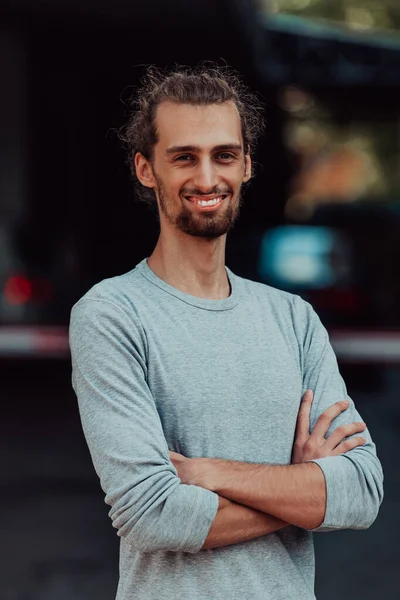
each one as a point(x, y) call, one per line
point(106, 316)
point(281, 302)
point(113, 297)
point(294, 316)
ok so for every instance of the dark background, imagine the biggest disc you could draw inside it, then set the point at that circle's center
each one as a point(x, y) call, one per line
point(68, 218)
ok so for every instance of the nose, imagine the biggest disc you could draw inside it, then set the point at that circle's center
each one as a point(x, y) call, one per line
point(205, 177)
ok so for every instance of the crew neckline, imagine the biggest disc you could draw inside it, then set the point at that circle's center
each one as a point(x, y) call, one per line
point(204, 303)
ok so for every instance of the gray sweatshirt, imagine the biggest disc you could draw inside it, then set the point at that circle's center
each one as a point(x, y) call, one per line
point(156, 369)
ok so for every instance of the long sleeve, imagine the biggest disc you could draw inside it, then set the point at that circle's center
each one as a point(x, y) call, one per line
point(354, 480)
point(149, 505)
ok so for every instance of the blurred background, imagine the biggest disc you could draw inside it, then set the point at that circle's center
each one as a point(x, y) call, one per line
point(322, 219)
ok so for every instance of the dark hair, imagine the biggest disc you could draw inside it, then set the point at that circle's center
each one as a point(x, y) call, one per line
point(201, 85)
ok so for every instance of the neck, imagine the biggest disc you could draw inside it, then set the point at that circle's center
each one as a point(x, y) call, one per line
point(195, 266)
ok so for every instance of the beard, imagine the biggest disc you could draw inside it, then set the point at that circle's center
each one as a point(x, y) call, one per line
point(209, 225)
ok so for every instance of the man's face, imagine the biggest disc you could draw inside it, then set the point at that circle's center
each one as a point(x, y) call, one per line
point(199, 158)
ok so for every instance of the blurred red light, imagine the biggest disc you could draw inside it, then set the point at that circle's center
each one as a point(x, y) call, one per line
point(17, 290)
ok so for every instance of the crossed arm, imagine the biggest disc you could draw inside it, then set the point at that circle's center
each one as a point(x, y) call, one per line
point(335, 480)
point(258, 499)
point(149, 505)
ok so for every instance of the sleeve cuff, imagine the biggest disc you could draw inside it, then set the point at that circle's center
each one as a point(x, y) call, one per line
point(335, 472)
point(200, 519)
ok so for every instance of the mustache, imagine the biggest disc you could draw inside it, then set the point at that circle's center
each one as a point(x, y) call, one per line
point(215, 191)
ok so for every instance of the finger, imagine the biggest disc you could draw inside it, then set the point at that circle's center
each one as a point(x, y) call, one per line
point(325, 420)
point(342, 432)
point(349, 445)
point(176, 456)
point(303, 418)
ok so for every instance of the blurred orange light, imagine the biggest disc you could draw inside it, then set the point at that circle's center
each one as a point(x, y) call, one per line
point(17, 290)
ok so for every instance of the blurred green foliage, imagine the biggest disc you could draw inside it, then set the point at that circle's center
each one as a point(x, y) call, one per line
point(357, 14)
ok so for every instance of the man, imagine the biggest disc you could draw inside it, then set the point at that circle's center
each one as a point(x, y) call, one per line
point(190, 379)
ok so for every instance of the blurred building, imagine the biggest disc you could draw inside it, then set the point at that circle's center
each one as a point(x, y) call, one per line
point(329, 75)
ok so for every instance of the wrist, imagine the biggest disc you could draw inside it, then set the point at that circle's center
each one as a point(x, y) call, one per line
point(206, 473)
point(218, 473)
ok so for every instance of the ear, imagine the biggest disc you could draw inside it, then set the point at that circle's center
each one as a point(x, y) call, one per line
point(144, 171)
point(247, 168)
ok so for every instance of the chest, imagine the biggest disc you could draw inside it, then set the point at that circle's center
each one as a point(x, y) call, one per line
point(228, 390)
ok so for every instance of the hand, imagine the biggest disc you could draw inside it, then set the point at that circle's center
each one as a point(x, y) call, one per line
point(308, 447)
point(177, 459)
point(192, 471)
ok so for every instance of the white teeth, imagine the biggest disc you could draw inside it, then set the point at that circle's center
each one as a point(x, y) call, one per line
point(208, 202)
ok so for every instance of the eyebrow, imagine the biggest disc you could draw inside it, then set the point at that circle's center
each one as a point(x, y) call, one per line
point(175, 149)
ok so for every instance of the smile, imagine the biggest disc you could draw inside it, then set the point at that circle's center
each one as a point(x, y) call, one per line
point(206, 204)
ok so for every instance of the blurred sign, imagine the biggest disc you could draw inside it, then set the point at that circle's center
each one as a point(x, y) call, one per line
point(34, 342)
point(372, 347)
point(303, 257)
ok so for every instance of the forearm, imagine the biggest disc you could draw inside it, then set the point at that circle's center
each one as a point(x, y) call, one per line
point(295, 494)
point(235, 523)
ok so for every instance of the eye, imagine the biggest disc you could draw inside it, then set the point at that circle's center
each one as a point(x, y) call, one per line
point(225, 156)
point(184, 158)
